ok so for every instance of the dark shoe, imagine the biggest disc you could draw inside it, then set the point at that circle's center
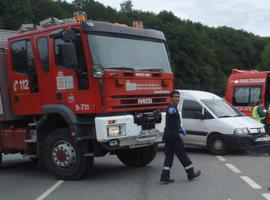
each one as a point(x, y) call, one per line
point(166, 181)
point(194, 175)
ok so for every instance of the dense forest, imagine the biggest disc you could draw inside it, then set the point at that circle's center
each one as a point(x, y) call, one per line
point(202, 57)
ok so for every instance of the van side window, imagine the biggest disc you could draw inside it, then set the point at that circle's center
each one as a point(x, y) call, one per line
point(23, 61)
point(246, 95)
point(190, 110)
point(43, 53)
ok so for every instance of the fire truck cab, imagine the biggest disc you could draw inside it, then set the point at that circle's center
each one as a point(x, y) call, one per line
point(73, 91)
point(245, 88)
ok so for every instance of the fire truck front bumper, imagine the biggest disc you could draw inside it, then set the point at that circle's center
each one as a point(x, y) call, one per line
point(122, 131)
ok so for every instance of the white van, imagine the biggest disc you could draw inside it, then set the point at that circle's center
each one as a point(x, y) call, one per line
point(213, 123)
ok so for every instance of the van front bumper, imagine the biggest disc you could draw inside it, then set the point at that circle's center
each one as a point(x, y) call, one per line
point(257, 143)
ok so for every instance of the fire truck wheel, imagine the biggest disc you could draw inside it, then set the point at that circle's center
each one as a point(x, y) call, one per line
point(137, 157)
point(0, 159)
point(63, 157)
point(35, 160)
point(217, 145)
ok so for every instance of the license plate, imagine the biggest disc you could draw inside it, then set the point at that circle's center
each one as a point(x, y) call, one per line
point(262, 139)
point(145, 133)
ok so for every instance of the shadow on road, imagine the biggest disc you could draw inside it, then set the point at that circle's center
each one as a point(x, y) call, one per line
point(25, 167)
point(102, 169)
point(256, 152)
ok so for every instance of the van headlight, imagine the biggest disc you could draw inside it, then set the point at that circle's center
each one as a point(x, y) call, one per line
point(262, 130)
point(241, 131)
point(116, 130)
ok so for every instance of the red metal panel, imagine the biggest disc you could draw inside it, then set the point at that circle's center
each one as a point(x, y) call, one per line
point(14, 139)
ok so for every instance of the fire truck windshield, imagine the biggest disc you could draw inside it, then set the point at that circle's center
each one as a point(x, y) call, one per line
point(129, 53)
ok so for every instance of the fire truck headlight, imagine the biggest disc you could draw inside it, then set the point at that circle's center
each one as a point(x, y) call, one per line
point(116, 130)
point(98, 71)
point(241, 131)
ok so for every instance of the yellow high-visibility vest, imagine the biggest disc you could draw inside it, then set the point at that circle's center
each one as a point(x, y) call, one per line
point(256, 115)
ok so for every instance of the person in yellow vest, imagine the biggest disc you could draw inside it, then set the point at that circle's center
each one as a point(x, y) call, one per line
point(258, 112)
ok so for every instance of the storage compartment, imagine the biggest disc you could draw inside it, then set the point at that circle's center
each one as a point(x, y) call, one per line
point(14, 139)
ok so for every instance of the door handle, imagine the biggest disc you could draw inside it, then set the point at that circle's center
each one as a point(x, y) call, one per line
point(16, 99)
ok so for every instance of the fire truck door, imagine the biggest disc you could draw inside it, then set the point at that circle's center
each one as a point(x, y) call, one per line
point(23, 78)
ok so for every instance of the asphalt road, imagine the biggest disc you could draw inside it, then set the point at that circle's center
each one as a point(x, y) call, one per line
point(231, 177)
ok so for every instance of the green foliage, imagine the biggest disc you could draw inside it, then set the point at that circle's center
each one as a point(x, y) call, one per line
point(14, 13)
point(202, 57)
point(126, 6)
point(265, 58)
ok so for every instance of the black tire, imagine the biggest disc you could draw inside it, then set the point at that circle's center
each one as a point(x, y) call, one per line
point(34, 160)
point(0, 159)
point(138, 157)
point(64, 158)
point(217, 145)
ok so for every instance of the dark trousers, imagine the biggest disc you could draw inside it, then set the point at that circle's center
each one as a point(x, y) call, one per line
point(175, 145)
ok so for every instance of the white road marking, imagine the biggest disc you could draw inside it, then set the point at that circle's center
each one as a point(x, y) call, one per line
point(266, 195)
point(233, 168)
point(251, 183)
point(50, 190)
point(221, 158)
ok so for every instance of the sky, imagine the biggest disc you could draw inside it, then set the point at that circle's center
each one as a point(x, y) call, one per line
point(249, 15)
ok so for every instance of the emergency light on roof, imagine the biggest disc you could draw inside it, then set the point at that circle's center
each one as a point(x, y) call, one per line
point(137, 24)
point(50, 21)
point(80, 16)
point(27, 27)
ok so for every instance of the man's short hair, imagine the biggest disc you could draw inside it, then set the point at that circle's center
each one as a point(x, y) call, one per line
point(174, 92)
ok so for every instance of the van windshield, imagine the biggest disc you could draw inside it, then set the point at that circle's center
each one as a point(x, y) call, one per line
point(221, 108)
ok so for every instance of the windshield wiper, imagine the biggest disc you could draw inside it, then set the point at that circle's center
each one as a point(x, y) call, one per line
point(238, 115)
point(153, 70)
point(224, 116)
point(121, 68)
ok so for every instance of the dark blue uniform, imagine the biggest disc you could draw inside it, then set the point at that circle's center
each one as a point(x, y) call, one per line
point(174, 144)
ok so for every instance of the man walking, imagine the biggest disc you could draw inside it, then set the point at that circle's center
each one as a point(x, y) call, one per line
point(174, 143)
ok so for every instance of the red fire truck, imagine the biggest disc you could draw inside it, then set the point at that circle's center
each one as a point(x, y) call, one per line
point(247, 87)
point(72, 91)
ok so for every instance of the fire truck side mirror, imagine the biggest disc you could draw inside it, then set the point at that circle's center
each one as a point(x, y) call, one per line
point(57, 33)
point(68, 53)
point(69, 35)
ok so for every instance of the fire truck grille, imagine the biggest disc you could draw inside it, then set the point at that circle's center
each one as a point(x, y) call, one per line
point(142, 106)
point(142, 101)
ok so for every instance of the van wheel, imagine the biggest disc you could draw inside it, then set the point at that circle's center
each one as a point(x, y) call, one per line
point(217, 145)
point(138, 157)
point(65, 158)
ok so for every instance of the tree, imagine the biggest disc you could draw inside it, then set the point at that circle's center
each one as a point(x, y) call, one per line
point(126, 6)
point(265, 56)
